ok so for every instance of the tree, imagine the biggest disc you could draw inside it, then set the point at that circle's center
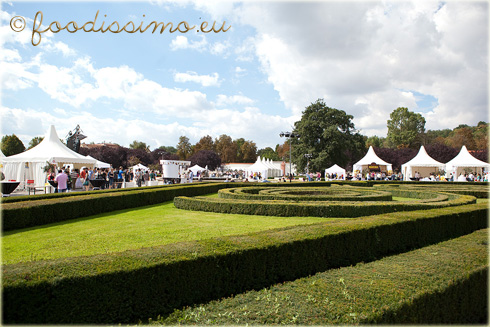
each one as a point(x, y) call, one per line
point(238, 144)
point(11, 145)
point(139, 145)
point(329, 135)
point(405, 128)
point(205, 143)
point(184, 148)
point(169, 149)
point(282, 151)
point(462, 136)
point(248, 151)
point(374, 141)
point(35, 141)
point(268, 153)
point(205, 158)
point(226, 148)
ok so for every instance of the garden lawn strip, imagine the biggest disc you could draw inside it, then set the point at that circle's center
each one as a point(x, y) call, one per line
point(438, 284)
point(131, 229)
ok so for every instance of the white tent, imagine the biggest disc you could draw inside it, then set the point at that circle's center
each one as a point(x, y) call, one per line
point(273, 171)
point(258, 167)
point(100, 164)
point(335, 169)
point(30, 164)
point(422, 163)
point(464, 160)
point(1, 154)
point(140, 166)
point(196, 168)
point(372, 158)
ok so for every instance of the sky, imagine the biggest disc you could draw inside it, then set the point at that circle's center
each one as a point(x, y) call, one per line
point(251, 81)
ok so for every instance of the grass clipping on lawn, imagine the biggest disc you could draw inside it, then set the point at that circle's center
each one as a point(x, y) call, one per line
point(351, 295)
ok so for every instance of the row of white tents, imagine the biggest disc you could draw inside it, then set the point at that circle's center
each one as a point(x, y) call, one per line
point(425, 164)
point(30, 164)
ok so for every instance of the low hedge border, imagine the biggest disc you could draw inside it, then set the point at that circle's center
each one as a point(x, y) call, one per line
point(133, 285)
point(279, 193)
point(316, 208)
point(21, 198)
point(476, 190)
point(445, 283)
point(25, 214)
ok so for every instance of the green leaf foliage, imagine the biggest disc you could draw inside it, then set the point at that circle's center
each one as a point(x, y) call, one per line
point(329, 135)
point(405, 128)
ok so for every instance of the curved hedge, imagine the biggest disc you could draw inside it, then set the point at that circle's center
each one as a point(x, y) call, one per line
point(134, 285)
point(305, 194)
point(252, 204)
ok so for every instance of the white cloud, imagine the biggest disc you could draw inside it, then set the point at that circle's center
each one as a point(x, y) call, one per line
point(204, 80)
point(223, 100)
point(344, 52)
point(183, 43)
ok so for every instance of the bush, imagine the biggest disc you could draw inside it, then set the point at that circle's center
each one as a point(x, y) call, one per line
point(444, 283)
point(50, 210)
point(129, 286)
point(429, 200)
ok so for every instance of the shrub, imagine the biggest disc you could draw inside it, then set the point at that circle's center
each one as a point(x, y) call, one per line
point(132, 285)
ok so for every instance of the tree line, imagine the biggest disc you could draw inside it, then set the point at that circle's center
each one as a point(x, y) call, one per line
point(326, 136)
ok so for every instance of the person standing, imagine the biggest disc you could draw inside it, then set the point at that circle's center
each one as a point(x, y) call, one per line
point(62, 180)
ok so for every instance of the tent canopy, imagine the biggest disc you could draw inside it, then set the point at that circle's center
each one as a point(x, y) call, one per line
point(100, 164)
point(335, 169)
point(52, 150)
point(259, 167)
point(423, 163)
point(140, 166)
point(369, 158)
point(30, 164)
point(196, 168)
point(464, 159)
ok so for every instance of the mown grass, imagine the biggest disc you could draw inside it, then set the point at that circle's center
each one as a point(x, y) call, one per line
point(351, 295)
point(131, 229)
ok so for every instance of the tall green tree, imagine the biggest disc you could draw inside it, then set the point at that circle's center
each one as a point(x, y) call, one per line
point(226, 148)
point(327, 134)
point(248, 151)
point(205, 143)
point(405, 128)
point(184, 148)
point(11, 145)
point(35, 141)
point(169, 149)
point(139, 145)
point(268, 153)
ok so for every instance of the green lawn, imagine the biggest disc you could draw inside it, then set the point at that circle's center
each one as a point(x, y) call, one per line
point(131, 229)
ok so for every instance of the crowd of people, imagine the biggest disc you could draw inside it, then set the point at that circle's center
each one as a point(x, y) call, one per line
point(65, 179)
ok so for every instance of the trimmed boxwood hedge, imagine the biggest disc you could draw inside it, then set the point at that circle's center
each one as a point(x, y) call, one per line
point(305, 194)
point(321, 208)
point(129, 286)
point(24, 214)
point(445, 283)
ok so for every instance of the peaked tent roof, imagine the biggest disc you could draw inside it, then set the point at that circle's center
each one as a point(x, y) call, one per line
point(422, 159)
point(140, 166)
point(196, 168)
point(50, 149)
point(465, 159)
point(369, 158)
point(335, 169)
point(1, 154)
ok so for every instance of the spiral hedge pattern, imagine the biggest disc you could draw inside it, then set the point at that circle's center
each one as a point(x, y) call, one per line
point(336, 201)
